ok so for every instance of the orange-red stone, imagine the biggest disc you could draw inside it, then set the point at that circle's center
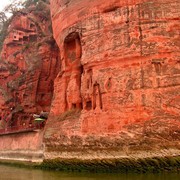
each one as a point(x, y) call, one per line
point(120, 66)
point(29, 64)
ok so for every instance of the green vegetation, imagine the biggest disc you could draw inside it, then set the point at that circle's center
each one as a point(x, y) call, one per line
point(16, 6)
point(3, 31)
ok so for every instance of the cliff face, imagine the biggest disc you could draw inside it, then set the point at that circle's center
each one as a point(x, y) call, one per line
point(114, 73)
point(29, 63)
point(120, 68)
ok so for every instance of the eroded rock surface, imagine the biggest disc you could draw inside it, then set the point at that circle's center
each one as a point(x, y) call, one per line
point(29, 63)
point(114, 73)
point(120, 67)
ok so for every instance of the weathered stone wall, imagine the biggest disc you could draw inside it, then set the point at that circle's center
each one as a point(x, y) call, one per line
point(120, 66)
point(22, 146)
point(29, 63)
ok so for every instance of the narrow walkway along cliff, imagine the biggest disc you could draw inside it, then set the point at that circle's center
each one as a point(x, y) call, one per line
point(109, 79)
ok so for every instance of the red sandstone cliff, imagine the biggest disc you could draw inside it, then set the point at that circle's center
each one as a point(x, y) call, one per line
point(118, 88)
point(120, 67)
point(28, 65)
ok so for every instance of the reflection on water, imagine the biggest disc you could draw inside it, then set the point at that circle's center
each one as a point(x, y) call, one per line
point(14, 173)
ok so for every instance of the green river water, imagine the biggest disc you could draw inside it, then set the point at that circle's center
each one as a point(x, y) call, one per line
point(15, 173)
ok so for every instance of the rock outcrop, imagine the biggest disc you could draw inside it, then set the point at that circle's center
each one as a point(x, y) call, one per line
point(29, 63)
point(110, 81)
point(119, 88)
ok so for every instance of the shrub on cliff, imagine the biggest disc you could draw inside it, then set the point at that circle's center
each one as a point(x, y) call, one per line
point(13, 8)
point(3, 31)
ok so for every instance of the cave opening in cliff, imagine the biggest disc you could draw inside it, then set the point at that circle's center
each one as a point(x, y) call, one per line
point(89, 105)
point(33, 38)
point(73, 106)
point(25, 38)
point(73, 48)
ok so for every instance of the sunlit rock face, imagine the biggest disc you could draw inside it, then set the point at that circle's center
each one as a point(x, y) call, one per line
point(29, 63)
point(120, 67)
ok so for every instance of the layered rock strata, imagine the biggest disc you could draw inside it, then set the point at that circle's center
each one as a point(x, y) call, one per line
point(118, 91)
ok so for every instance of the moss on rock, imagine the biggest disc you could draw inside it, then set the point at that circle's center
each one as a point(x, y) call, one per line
point(156, 164)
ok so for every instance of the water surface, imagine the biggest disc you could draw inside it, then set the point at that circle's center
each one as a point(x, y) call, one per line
point(15, 173)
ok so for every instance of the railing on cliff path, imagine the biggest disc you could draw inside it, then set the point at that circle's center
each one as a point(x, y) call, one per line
point(21, 129)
